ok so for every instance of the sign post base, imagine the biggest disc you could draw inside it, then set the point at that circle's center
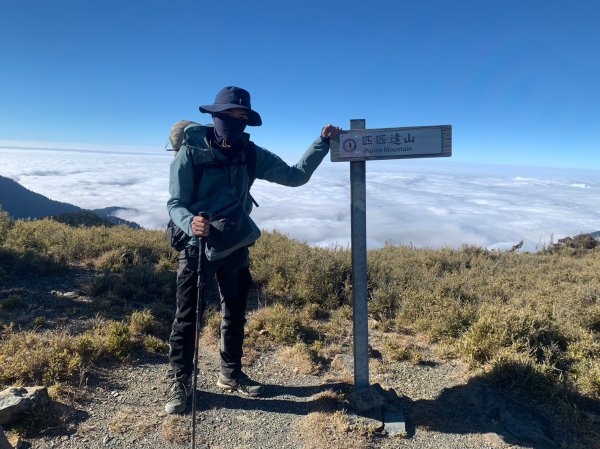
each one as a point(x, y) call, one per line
point(379, 410)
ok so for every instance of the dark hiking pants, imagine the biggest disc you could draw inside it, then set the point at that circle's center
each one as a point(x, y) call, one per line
point(233, 277)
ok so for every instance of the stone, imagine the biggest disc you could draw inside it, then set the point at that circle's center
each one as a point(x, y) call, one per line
point(393, 418)
point(16, 401)
point(526, 427)
point(389, 394)
point(369, 420)
point(68, 295)
point(366, 399)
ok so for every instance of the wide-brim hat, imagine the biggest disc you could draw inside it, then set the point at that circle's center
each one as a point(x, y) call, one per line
point(232, 97)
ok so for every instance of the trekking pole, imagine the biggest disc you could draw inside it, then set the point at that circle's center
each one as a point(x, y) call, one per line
point(199, 311)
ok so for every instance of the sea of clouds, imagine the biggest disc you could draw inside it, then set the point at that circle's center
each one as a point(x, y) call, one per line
point(425, 203)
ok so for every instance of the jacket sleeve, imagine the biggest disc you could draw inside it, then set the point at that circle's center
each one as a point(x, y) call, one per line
point(181, 190)
point(271, 167)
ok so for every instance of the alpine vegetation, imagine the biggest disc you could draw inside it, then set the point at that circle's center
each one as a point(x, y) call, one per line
point(526, 322)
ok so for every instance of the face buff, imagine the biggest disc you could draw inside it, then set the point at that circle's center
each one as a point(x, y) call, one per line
point(228, 130)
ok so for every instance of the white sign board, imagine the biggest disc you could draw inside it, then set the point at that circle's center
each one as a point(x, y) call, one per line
point(392, 143)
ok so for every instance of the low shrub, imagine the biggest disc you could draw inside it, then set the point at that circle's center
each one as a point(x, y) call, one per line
point(68, 244)
point(278, 325)
point(395, 349)
point(56, 356)
point(523, 331)
point(300, 358)
point(296, 273)
point(143, 323)
point(155, 344)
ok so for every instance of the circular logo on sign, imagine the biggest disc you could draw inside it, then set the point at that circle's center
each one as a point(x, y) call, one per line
point(350, 145)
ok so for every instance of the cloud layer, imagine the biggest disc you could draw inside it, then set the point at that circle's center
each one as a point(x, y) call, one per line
point(426, 203)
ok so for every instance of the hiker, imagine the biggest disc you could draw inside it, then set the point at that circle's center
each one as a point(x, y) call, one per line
point(219, 189)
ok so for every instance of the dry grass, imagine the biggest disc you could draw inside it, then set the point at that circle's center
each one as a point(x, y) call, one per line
point(104, 247)
point(141, 323)
point(155, 345)
point(211, 332)
point(176, 429)
point(278, 325)
point(12, 302)
point(338, 329)
point(299, 358)
point(132, 422)
point(52, 357)
point(322, 430)
point(399, 348)
point(326, 401)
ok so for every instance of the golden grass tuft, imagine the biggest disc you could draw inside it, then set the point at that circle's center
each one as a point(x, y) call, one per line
point(155, 345)
point(396, 348)
point(296, 273)
point(322, 430)
point(132, 422)
point(299, 358)
point(176, 429)
point(110, 247)
point(326, 401)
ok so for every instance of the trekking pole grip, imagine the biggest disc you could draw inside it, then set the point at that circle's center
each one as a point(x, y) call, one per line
point(207, 216)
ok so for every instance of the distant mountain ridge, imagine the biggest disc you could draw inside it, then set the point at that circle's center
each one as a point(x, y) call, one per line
point(21, 202)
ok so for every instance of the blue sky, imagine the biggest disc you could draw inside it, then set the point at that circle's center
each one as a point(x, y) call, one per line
point(517, 80)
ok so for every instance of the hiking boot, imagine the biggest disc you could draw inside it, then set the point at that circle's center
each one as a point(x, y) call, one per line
point(242, 383)
point(179, 389)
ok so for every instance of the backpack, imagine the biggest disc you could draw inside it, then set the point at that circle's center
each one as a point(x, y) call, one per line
point(176, 237)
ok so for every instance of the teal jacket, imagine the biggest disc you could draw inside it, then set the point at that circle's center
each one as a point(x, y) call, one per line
point(218, 182)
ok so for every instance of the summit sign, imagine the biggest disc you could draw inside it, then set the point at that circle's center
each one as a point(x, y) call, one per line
point(357, 146)
point(392, 143)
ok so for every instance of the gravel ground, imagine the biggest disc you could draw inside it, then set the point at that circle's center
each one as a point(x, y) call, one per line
point(443, 411)
point(445, 406)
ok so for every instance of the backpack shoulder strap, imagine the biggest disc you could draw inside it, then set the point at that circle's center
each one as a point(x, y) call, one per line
point(251, 163)
point(198, 170)
point(251, 168)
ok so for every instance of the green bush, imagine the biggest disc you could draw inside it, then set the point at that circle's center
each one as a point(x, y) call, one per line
point(279, 325)
point(57, 356)
point(296, 273)
point(524, 331)
point(79, 244)
point(142, 323)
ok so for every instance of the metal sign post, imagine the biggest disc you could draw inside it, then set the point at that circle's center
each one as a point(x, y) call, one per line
point(357, 146)
point(358, 220)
